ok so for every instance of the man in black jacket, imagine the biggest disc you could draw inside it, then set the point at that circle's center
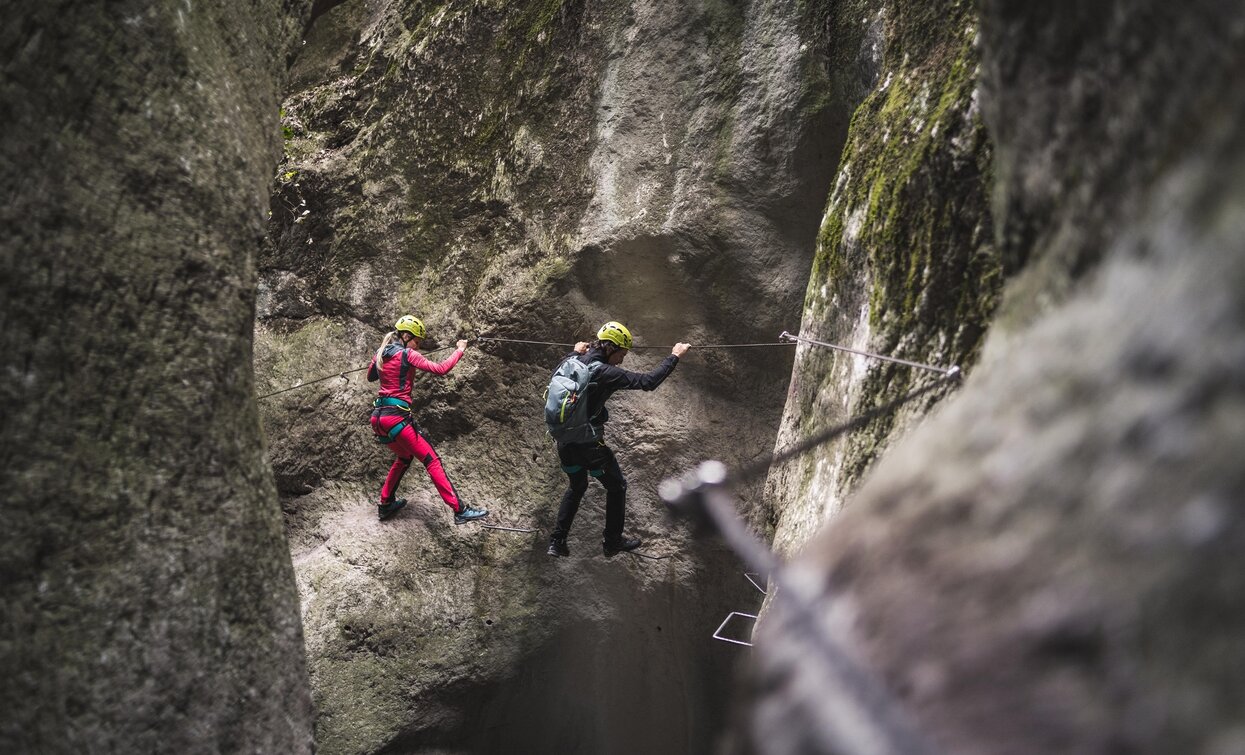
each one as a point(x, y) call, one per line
point(595, 459)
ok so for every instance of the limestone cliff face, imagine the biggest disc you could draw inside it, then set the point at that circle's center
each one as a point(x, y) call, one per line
point(148, 598)
point(530, 170)
point(905, 264)
point(1047, 563)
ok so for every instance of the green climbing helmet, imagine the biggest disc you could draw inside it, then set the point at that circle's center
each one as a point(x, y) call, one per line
point(616, 333)
point(411, 325)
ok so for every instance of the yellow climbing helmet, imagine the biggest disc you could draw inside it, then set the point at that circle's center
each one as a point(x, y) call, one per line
point(616, 333)
point(411, 325)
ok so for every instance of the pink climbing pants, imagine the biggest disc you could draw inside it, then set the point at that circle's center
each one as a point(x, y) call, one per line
point(411, 444)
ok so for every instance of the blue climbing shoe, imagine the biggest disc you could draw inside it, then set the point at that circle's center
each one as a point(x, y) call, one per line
point(386, 510)
point(469, 514)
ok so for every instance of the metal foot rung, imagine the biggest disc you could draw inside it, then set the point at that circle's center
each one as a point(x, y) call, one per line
point(717, 635)
point(748, 575)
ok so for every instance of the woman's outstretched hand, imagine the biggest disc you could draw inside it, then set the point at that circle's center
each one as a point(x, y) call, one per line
point(462, 344)
point(680, 349)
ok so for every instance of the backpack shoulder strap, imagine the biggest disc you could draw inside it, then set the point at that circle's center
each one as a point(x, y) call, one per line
point(402, 370)
point(596, 368)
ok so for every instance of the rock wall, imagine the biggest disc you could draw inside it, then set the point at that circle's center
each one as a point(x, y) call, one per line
point(529, 170)
point(148, 597)
point(1046, 564)
point(905, 264)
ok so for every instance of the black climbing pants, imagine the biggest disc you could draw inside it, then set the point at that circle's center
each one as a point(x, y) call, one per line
point(592, 460)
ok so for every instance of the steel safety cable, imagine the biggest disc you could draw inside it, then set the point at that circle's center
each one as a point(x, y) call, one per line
point(519, 340)
point(341, 375)
point(311, 382)
point(762, 467)
point(694, 346)
point(941, 370)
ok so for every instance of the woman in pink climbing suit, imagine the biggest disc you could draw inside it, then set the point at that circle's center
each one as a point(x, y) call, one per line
point(394, 366)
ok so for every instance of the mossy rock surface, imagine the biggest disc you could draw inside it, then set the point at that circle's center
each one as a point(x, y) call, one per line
point(1043, 563)
point(905, 262)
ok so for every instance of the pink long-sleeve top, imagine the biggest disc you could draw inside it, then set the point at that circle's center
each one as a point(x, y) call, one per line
point(396, 373)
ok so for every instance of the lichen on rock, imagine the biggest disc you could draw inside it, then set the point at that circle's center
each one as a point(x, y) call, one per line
point(1042, 563)
point(905, 264)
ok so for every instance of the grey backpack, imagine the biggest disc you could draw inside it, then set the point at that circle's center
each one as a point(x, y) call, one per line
point(566, 402)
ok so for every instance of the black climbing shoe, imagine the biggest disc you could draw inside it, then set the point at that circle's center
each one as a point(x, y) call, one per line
point(610, 547)
point(469, 514)
point(386, 510)
point(557, 547)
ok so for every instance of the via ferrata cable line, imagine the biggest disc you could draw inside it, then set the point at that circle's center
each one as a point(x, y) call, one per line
point(343, 375)
point(303, 384)
point(637, 348)
point(332, 375)
point(754, 471)
point(948, 371)
point(786, 339)
point(519, 340)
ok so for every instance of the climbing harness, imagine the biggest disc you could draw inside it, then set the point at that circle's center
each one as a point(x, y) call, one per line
point(394, 432)
point(391, 401)
point(949, 371)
